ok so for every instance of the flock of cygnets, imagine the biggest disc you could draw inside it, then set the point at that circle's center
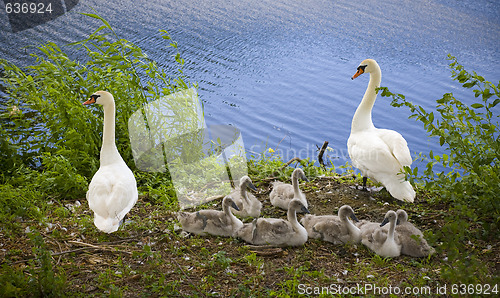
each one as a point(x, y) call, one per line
point(391, 238)
point(379, 154)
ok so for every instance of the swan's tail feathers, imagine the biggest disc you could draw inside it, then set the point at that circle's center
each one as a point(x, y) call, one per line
point(401, 190)
point(106, 224)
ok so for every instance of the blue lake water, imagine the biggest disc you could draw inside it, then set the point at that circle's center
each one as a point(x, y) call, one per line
point(280, 70)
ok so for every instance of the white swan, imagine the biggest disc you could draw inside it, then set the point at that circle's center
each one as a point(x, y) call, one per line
point(247, 203)
point(412, 240)
point(213, 222)
point(282, 193)
point(379, 154)
point(113, 189)
point(384, 243)
point(331, 228)
point(275, 231)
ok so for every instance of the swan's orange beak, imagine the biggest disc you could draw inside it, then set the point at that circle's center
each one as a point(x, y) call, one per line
point(91, 100)
point(358, 73)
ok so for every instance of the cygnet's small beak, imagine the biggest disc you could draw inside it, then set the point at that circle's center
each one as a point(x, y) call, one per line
point(252, 187)
point(384, 222)
point(235, 206)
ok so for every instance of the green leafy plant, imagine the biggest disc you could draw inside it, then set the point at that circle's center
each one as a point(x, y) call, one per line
point(469, 135)
point(41, 279)
point(49, 96)
point(268, 164)
point(470, 182)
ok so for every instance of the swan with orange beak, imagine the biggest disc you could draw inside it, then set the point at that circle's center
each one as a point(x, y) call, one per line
point(380, 154)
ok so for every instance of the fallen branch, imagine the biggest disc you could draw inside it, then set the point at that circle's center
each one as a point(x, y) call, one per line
point(284, 166)
point(103, 246)
point(84, 244)
point(320, 154)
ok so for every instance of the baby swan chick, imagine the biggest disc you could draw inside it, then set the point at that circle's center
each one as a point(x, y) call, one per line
point(412, 240)
point(213, 222)
point(283, 193)
point(384, 243)
point(274, 231)
point(332, 228)
point(247, 203)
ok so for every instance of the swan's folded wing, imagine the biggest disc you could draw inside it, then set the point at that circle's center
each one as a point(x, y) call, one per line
point(216, 219)
point(372, 155)
point(122, 199)
point(368, 229)
point(192, 222)
point(330, 230)
point(276, 184)
point(284, 191)
point(246, 232)
point(397, 145)
point(269, 229)
point(273, 225)
point(236, 196)
point(98, 195)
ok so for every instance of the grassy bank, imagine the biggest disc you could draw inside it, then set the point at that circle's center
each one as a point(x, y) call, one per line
point(60, 252)
point(49, 151)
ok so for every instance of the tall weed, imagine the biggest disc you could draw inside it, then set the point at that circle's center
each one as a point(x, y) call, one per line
point(50, 93)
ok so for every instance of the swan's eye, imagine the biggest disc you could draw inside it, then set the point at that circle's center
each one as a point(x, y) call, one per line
point(95, 96)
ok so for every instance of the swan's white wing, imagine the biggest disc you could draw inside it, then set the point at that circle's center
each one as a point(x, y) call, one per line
point(99, 191)
point(397, 144)
point(371, 154)
point(112, 193)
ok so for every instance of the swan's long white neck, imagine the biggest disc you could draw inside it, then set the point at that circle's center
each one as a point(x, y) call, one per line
point(295, 184)
point(390, 234)
point(243, 193)
point(227, 211)
point(363, 117)
point(109, 152)
point(350, 226)
point(292, 218)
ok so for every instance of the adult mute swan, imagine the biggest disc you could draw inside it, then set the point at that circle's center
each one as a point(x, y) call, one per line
point(378, 153)
point(213, 222)
point(276, 231)
point(332, 228)
point(113, 189)
point(283, 193)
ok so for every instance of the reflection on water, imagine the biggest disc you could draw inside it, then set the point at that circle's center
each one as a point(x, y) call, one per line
point(280, 69)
